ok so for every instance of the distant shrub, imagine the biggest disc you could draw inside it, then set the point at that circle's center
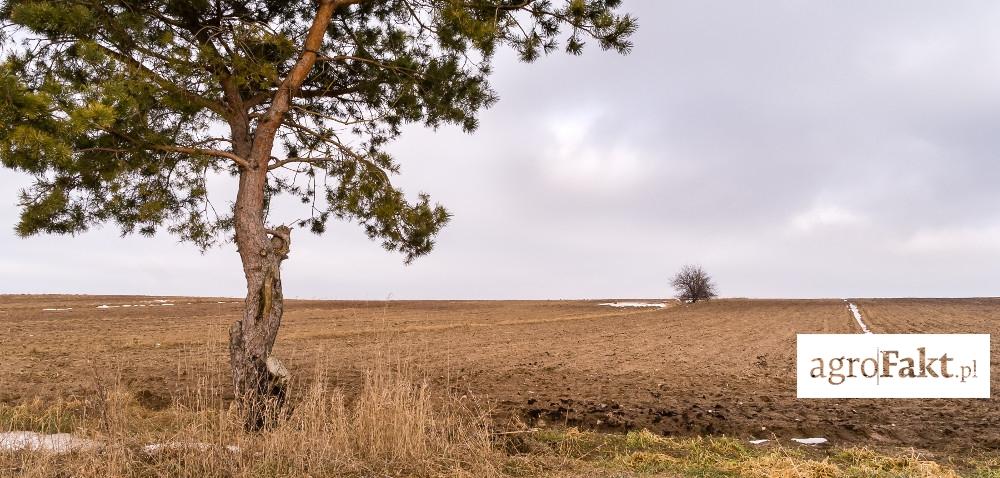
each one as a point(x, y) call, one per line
point(692, 284)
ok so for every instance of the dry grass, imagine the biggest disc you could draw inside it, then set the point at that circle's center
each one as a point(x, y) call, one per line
point(571, 452)
point(393, 427)
point(396, 427)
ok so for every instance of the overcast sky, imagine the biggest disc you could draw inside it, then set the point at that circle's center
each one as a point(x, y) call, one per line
point(792, 148)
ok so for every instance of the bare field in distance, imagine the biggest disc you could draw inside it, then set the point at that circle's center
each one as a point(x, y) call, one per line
point(720, 368)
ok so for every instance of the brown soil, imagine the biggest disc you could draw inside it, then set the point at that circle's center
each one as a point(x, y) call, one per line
point(723, 367)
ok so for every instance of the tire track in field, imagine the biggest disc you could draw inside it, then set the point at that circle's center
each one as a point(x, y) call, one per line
point(857, 317)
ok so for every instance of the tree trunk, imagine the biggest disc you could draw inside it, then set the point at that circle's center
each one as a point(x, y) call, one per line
point(259, 380)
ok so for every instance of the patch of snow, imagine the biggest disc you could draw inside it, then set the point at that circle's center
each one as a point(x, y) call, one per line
point(58, 443)
point(759, 442)
point(61, 443)
point(857, 317)
point(158, 304)
point(154, 448)
point(810, 441)
point(171, 446)
point(56, 310)
point(634, 304)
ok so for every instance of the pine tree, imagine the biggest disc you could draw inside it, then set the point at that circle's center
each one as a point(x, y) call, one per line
point(115, 107)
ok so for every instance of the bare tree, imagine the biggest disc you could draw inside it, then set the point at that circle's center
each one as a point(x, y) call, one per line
point(692, 284)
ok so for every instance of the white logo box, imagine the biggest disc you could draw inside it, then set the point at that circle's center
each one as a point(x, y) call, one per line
point(893, 365)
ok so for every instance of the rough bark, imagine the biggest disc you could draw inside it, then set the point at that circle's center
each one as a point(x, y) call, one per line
point(259, 379)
